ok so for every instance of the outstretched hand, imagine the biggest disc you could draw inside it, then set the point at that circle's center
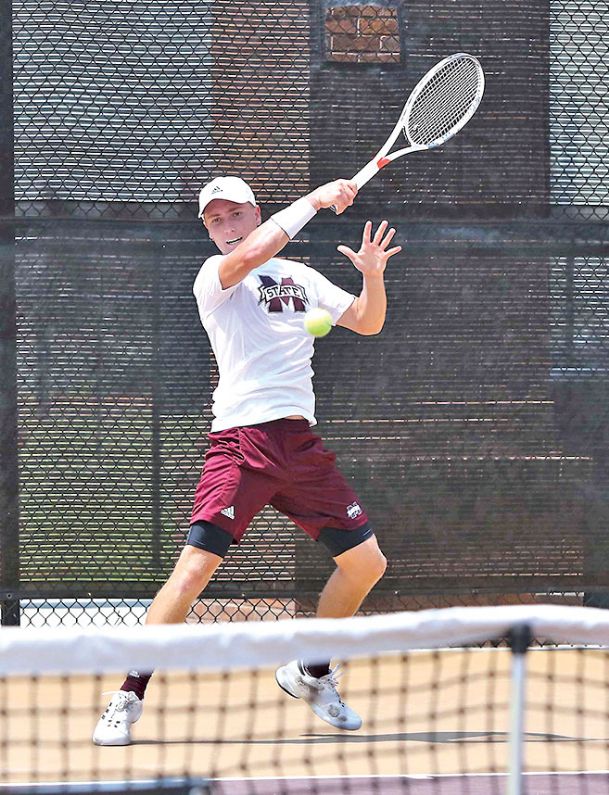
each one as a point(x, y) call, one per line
point(371, 259)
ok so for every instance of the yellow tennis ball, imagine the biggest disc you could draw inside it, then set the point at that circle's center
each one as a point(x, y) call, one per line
point(318, 322)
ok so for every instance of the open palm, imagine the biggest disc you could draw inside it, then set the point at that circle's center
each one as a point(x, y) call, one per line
point(371, 259)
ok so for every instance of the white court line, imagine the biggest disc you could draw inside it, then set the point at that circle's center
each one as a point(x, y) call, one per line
point(414, 776)
point(95, 785)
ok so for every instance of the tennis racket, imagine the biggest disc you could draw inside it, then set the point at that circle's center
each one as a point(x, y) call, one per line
point(439, 106)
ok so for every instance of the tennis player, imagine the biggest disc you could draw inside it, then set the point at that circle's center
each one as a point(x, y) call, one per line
point(262, 449)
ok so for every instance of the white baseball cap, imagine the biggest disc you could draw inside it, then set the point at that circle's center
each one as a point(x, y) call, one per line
point(233, 189)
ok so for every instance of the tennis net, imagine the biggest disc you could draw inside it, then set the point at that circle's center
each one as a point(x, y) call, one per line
point(450, 704)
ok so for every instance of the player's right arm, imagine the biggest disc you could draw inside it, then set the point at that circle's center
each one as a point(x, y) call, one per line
point(268, 239)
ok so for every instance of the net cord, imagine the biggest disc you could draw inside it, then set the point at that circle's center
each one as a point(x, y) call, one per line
point(243, 645)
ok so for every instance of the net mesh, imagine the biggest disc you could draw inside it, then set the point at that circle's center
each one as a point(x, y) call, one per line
point(438, 715)
point(445, 102)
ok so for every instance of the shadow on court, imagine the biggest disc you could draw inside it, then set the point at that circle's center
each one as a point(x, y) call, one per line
point(417, 737)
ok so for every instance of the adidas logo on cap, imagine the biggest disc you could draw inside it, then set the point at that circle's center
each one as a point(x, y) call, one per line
point(230, 188)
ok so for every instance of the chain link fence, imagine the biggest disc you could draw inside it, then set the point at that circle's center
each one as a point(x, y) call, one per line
point(474, 427)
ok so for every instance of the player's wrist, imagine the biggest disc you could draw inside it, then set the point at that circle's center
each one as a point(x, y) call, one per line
point(293, 218)
point(314, 200)
point(374, 277)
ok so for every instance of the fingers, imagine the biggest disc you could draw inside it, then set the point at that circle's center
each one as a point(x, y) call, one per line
point(392, 251)
point(351, 187)
point(380, 232)
point(388, 238)
point(367, 233)
point(348, 252)
point(382, 237)
point(338, 195)
point(345, 192)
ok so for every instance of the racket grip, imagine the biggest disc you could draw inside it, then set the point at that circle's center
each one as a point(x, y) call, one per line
point(363, 176)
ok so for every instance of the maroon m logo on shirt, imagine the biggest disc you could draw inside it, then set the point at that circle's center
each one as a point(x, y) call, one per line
point(275, 296)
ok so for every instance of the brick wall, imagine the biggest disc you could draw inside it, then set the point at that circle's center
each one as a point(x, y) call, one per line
point(362, 34)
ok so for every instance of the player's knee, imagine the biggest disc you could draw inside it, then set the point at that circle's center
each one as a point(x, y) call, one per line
point(364, 563)
point(193, 571)
point(378, 565)
point(373, 565)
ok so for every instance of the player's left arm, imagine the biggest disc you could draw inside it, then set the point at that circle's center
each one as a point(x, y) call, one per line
point(366, 315)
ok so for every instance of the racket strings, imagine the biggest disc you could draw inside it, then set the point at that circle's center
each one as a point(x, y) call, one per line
point(444, 90)
point(448, 93)
point(444, 103)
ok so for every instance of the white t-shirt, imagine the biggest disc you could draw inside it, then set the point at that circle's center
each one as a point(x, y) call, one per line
point(257, 335)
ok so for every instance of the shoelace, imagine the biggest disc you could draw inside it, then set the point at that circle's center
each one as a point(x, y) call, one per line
point(332, 678)
point(122, 703)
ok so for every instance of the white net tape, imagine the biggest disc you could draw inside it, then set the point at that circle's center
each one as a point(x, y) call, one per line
point(242, 644)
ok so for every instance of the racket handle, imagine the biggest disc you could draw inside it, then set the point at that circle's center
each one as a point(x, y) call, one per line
point(364, 175)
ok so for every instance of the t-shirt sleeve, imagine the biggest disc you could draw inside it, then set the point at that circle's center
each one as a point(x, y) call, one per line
point(207, 288)
point(331, 297)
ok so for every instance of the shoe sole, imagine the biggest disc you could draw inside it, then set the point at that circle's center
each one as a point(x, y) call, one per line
point(339, 726)
point(105, 743)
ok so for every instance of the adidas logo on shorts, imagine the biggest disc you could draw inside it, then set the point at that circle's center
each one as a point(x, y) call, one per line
point(230, 512)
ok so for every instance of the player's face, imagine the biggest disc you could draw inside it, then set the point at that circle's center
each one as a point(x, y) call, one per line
point(229, 223)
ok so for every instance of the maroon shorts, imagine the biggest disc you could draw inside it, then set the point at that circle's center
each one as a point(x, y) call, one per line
point(279, 463)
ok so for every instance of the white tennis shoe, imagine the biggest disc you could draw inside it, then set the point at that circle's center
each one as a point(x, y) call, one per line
point(319, 693)
point(114, 726)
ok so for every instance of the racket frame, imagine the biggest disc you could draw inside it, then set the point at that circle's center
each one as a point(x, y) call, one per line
point(382, 158)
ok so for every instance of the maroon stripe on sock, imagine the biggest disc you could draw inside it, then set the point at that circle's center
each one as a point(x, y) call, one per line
point(136, 683)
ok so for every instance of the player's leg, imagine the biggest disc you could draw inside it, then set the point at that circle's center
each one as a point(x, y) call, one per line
point(320, 501)
point(358, 569)
point(226, 499)
point(192, 572)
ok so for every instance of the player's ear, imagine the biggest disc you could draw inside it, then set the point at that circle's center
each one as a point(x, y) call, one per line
point(258, 215)
point(206, 228)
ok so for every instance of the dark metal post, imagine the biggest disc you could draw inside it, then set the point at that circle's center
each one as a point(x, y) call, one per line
point(570, 310)
point(9, 469)
point(157, 393)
